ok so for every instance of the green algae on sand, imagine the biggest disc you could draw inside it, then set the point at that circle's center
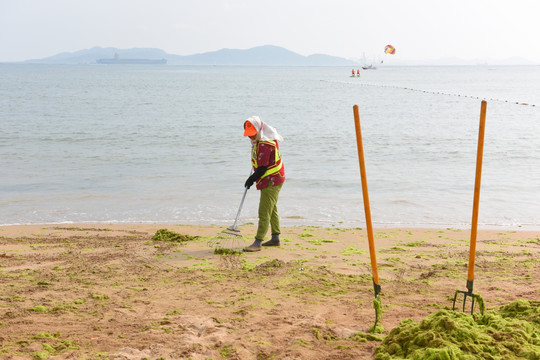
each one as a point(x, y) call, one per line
point(510, 332)
point(172, 236)
point(227, 252)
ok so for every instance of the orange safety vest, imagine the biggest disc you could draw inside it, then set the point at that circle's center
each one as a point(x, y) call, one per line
point(272, 169)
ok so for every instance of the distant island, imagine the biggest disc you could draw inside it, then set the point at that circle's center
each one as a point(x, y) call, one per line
point(267, 55)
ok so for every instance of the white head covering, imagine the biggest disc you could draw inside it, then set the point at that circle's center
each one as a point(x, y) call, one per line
point(265, 132)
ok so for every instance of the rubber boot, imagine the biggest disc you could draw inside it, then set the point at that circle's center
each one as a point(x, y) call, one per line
point(256, 246)
point(274, 241)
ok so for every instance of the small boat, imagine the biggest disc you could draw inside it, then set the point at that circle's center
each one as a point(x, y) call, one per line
point(118, 60)
point(366, 66)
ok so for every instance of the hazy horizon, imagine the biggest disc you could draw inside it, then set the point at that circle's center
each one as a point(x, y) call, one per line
point(419, 29)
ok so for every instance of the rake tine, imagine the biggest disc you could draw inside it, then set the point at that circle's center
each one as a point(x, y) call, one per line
point(465, 294)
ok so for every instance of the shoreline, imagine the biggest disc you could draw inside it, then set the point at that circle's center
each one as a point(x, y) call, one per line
point(296, 223)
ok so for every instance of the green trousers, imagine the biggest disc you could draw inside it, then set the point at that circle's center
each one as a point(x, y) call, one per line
point(268, 213)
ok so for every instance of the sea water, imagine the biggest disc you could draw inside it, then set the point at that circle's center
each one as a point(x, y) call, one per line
point(164, 144)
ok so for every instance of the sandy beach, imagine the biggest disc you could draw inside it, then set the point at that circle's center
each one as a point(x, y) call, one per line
point(105, 291)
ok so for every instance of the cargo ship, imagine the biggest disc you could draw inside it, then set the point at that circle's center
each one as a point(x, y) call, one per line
point(118, 60)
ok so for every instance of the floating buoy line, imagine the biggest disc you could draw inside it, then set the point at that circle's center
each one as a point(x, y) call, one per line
point(433, 92)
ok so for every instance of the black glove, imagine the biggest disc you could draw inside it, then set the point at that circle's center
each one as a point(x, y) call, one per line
point(249, 182)
point(255, 176)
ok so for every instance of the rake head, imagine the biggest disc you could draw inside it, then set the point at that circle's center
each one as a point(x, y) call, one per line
point(229, 239)
point(232, 230)
point(474, 299)
point(466, 294)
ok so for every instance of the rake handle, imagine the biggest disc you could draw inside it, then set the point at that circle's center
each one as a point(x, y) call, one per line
point(233, 227)
point(367, 210)
point(476, 201)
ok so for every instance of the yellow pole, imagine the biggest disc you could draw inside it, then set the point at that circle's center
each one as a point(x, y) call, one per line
point(476, 202)
point(366, 200)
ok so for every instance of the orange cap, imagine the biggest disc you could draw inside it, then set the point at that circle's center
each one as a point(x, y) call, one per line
point(249, 129)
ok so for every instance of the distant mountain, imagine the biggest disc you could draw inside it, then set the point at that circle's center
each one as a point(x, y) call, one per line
point(262, 55)
point(267, 55)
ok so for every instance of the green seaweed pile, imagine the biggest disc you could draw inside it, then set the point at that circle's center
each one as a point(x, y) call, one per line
point(511, 332)
point(172, 236)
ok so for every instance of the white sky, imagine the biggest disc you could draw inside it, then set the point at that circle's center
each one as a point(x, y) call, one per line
point(419, 29)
